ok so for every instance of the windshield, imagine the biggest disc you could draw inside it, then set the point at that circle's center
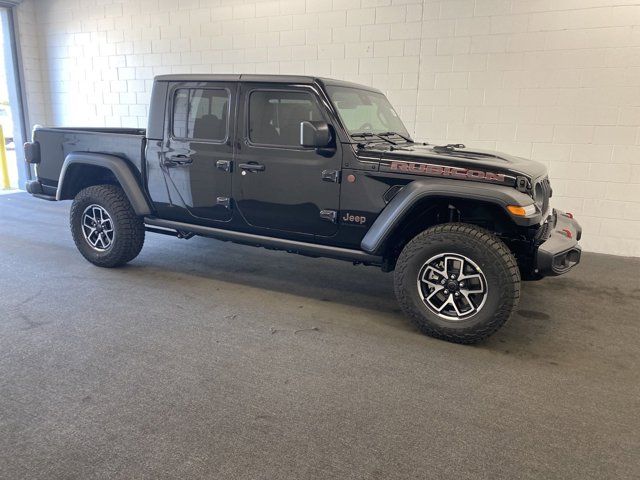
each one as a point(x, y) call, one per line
point(365, 111)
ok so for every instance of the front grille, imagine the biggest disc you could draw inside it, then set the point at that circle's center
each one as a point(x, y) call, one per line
point(542, 193)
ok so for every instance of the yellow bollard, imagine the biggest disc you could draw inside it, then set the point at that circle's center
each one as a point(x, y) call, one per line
point(4, 169)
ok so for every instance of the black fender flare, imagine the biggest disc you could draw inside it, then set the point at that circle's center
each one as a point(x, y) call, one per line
point(398, 208)
point(120, 169)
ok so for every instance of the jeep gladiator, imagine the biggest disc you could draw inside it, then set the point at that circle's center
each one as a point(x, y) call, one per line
point(319, 167)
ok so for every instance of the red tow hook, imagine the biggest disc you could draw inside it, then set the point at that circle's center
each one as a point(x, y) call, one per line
point(567, 232)
point(568, 214)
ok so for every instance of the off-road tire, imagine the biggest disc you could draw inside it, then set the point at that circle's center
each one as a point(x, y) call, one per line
point(128, 227)
point(489, 253)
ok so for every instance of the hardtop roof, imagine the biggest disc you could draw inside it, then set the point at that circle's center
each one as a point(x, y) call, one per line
point(300, 79)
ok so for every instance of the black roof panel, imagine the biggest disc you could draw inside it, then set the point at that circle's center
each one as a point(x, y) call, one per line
point(303, 79)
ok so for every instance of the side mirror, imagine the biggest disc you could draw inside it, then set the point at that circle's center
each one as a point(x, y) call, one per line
point(315, 134)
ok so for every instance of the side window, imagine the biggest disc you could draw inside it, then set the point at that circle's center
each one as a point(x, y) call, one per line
point(200, 114)
point(180, 113)
point(275, 116)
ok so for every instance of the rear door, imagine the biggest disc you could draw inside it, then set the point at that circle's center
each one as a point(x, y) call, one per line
point(198, 152)
point(279, 185)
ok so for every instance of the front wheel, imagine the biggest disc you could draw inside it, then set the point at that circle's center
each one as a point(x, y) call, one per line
point(105, 227)
point(457, 282)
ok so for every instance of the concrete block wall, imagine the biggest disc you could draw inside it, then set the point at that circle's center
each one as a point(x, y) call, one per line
point(554, 80)
point(37, 100)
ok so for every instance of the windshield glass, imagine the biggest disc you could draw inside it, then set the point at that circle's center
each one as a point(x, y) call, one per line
point(365, 111)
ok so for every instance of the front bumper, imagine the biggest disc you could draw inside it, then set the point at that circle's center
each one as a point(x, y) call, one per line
point(560, 252)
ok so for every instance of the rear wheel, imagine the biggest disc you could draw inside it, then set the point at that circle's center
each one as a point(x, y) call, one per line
point(105, 227)
point(457, 282)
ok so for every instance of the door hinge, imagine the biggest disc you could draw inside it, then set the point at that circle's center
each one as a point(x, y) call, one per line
point(329, 215)
point(224, 165)
point(331, 176)
point(224, 201)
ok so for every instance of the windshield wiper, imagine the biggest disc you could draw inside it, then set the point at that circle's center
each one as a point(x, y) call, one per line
point(370, 134)
point(388, 134)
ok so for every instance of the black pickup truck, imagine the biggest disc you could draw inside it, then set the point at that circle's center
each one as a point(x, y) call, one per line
point(318, 167)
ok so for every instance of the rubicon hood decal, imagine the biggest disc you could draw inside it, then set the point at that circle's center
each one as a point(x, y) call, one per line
point(434, 170)
point(444, 171)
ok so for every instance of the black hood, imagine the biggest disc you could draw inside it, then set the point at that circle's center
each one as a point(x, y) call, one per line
point(467, 158)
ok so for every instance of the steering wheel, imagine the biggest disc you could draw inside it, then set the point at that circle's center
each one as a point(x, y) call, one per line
point(365, 127)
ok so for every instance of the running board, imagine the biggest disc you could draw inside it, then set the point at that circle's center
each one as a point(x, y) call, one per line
point(293, 246)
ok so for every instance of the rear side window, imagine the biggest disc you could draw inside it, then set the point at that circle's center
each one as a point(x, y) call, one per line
point(275, 116)
point(200, 114)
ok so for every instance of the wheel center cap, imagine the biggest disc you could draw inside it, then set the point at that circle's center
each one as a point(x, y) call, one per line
point(452, 285)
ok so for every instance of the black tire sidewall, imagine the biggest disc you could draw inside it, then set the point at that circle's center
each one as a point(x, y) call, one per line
point(108, 197)
point(502, 289)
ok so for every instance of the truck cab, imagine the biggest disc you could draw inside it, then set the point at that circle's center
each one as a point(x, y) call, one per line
point(229, 154)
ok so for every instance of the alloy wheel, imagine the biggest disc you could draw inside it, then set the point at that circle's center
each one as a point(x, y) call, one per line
point(97, 227)
point(452, 286)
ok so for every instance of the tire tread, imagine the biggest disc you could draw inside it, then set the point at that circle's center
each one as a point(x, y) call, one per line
point(509, 281)
point(130, 228)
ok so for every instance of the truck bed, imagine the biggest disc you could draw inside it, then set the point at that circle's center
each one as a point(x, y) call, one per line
point(56, 143)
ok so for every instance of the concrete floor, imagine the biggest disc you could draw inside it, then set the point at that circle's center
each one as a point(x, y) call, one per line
point(201, 359)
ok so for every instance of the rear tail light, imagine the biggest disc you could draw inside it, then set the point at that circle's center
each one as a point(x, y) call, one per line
point(32, 152)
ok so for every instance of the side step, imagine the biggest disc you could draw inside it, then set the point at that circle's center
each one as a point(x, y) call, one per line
point(293, 246)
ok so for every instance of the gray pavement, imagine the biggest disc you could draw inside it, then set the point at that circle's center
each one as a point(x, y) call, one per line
point(204, 359)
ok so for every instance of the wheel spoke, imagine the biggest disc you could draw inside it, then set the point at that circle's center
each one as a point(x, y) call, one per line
point(438, 289)
point(472, 290)
point(425, 276)
point(469, 277)
point(441, 273)
point(461, 271)
point(93, 240)
point(444, 304)
point(468, 300)
point(434, 285)
point(450, 301)
point(455, 305)
point(453, 260)
point(446, 266)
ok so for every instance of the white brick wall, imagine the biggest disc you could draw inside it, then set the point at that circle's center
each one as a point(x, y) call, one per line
point(554, 80)
point(31, 64)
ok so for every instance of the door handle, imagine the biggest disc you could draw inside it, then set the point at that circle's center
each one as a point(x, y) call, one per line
point(252, 167)
point(177, 160)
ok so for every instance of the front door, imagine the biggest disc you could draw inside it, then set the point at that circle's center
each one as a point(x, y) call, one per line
point(198, 152)
point(279, 185)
